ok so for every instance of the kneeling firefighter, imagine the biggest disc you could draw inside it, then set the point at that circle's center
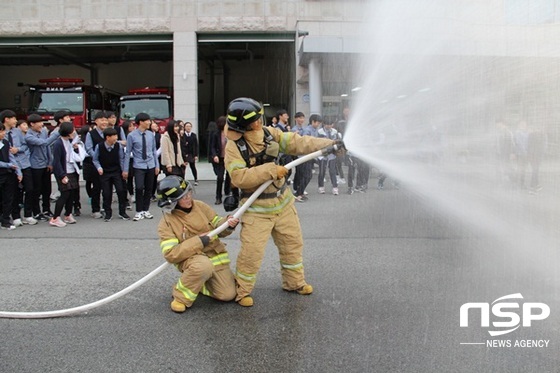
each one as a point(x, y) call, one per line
point(202, 260)
point(250, 159)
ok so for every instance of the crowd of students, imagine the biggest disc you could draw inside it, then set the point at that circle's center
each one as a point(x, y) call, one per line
point(127, 159)
point(358, 170)
point(107, 156)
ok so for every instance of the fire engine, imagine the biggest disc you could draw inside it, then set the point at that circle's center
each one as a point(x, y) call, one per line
point(71, 94)
point(156, 102)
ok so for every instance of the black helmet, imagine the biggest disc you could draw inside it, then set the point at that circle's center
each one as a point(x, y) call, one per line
point(231, 203)
point(171, 189)
point(242, 112)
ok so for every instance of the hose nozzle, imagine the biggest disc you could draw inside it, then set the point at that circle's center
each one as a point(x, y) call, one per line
point(336, 147)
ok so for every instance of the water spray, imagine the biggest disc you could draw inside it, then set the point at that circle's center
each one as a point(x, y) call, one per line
point(87, 307)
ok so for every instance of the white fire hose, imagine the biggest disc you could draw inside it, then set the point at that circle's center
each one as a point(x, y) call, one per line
point(155, 272)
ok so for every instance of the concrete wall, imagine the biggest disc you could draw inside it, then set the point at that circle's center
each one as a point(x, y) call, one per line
point(80, 17)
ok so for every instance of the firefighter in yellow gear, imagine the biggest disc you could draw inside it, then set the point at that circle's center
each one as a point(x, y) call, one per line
point(202, 260)
point(250, 160)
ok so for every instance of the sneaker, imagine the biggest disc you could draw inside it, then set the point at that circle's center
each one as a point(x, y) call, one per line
point(246, 302)
point(8, 226)
point(57, 222)
point(196, 183)
point(128, 206)
point(48, 214)
point(18, 222)
point(40, 217)
point(138, 216)
point(147, 215)
point(342, 181)
point(77, 211)
point(350, 190)
point(69, 219)
point(124, 216)
point(321, 190)
point(299, 199)
point(96, 215)
point(108, 218)
point(153, 199)
point(29, 220)
point(335, 191)
point(177, 306)
point(305, 193)
point(304, 198)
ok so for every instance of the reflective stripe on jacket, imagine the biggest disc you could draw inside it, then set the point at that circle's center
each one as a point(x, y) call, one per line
point(180, 232)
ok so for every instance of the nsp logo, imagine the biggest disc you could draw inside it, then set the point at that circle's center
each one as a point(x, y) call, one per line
point(503, 309)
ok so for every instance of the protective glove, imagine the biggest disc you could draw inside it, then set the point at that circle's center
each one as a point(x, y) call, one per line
point(336, 148)
point(339, 144)
point(281, 171)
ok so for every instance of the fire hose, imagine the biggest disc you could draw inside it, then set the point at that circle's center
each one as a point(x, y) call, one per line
point(155, 272)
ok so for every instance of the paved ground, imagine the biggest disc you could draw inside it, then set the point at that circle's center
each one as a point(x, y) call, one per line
point(390, 276)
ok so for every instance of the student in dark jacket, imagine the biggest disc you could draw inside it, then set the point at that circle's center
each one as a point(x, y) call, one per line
point(216, 152)
point(8, 179)
point(108, 159)
point(191, 150)
point(65, 169)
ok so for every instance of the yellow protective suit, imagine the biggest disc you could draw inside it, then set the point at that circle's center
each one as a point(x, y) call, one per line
point(274, 215)
point(204, 268)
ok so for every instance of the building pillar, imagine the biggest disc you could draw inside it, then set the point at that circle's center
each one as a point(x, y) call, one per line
point(185, 78)
point(315, 87)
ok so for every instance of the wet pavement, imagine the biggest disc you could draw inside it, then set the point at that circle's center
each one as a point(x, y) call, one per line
point(390, 276)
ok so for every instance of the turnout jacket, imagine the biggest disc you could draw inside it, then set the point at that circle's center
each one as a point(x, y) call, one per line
point(179, 234)
point(248, 179)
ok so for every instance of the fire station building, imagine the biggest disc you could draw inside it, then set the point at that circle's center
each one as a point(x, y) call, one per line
point(296, 55)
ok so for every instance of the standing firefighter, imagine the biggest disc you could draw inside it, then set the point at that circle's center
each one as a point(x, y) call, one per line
point(250, 159)
point(202, 260)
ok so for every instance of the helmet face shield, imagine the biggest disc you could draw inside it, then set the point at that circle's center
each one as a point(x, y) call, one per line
point(169, 207)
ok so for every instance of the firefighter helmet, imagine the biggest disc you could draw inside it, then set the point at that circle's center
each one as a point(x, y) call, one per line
point(231, 203)
point(171, 189)
point(242, 112)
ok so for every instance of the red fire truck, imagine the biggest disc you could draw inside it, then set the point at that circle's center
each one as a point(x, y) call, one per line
point(156, 102)
point(71, 94)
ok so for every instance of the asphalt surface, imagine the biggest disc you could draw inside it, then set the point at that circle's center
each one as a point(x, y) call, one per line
point(390, 275)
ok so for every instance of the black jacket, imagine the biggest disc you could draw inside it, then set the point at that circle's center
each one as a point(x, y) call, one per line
point(190, 148)
point(215, 145)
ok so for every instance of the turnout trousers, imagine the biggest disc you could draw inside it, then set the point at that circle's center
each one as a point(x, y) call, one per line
point(255, 232)
point(199, 275)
